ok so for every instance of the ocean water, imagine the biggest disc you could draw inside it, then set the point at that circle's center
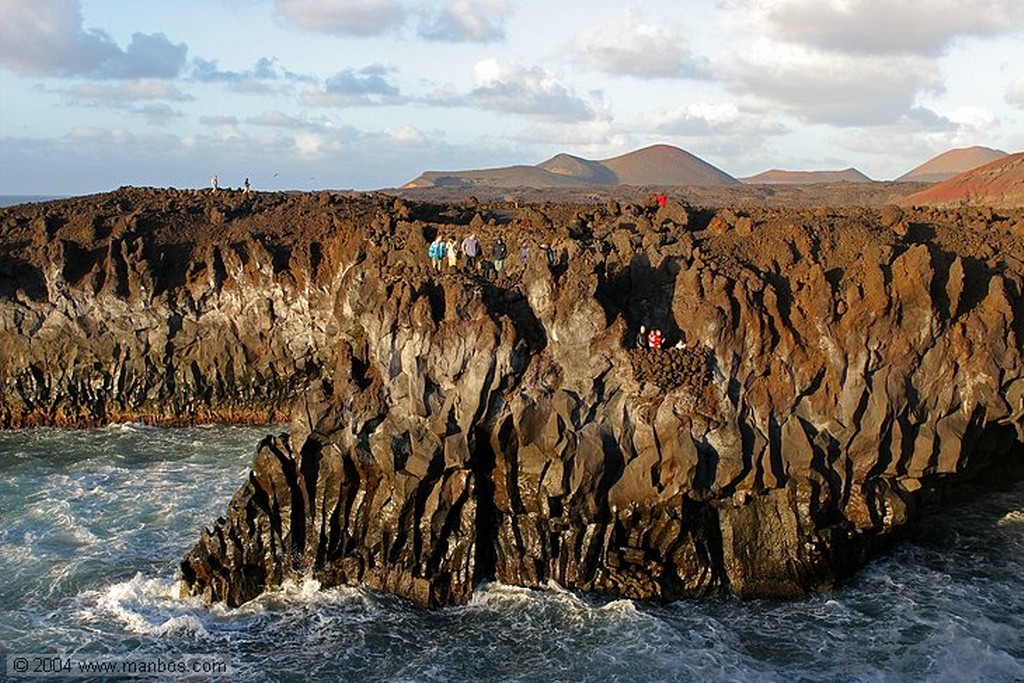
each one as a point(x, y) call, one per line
point(14, 199)
point(95, 522)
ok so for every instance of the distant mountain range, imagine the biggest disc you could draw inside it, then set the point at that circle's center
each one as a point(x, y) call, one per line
point(665, 165)
point(655, 165)
point(779, 177)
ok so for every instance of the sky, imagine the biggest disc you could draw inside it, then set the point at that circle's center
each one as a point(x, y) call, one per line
point(367, 94)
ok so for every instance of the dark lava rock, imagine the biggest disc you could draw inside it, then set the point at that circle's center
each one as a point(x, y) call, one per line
point(460, 425)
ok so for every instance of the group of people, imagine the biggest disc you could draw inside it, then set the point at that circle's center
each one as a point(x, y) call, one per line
point(654, 339)
point(471, 252)
point(215, 185)
point(448, 251)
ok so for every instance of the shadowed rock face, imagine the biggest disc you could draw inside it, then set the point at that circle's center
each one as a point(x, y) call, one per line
point(841, 367)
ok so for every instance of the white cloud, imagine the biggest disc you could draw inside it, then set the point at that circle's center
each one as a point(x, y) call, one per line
point(264, 77)
point(352, 17)
point(876, 27)
point(278, 119)
point(47, 38)
point(917, 136)
point(158, 113)
point(223, 127)
point(128, 91)
point(509, 87)
point(405, 134)
point(714, 127)
point(976, 119)
point(479, 21)
point(365, 87)
point(218, 120)
point(826, 87)
point(711, 118)
point(640, 50)
point(1015, 92)
point(588, 138)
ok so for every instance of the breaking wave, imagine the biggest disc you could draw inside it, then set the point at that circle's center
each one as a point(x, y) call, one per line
point(97, 520)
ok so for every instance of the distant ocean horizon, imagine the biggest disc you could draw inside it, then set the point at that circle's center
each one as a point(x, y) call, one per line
point(13, 199)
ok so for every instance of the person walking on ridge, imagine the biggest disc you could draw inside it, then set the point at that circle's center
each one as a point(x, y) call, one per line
point(471, 250)
point(500, 252)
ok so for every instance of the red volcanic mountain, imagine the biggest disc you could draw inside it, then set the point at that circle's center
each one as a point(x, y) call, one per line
point(655, 165)
point(778, 177)
point(948, 164)
point(998, 184)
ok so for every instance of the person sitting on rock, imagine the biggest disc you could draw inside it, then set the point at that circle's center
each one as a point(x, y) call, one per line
point(471, 250)
point(641, 338)
point(654, 339)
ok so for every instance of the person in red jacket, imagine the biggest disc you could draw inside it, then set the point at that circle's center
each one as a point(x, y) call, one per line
point(654, 339)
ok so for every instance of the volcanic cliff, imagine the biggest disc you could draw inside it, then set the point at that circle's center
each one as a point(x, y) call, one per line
point(842, 368)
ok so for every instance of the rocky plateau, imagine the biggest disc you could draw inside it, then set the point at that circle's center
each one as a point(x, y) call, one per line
point(845, 369)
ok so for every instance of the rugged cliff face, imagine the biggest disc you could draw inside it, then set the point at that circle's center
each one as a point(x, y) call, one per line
point(841, 367)
point(165, 306)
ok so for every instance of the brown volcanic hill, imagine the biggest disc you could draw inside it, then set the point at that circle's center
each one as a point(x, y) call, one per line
point(665, 165)
point(780, 177)
point(655, 165)
point(509, 176)
point(948, 164)
point(591, 172)
point(998, 184)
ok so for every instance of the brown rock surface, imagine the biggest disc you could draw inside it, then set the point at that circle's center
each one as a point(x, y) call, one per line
point(843, 366)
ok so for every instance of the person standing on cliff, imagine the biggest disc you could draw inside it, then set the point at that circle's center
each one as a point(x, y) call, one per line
point(214, 184)
point(641, 338)
point(436, 253)
point(451, 249)
point(500, 252)
point(471, 250)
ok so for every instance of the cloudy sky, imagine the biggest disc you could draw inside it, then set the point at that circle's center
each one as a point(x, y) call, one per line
point(306, 94)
